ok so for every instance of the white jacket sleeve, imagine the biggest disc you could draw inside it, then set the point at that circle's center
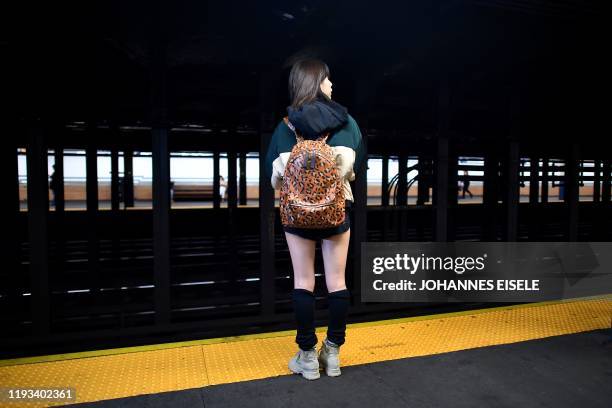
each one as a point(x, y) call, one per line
point(278, 169)
point(345, 159)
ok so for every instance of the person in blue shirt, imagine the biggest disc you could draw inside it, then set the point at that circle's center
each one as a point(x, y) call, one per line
point(313, 113)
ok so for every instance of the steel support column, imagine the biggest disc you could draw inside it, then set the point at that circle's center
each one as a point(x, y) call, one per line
point(571, 195)
point(267, 211)
point(512, 191)
point(38, 208)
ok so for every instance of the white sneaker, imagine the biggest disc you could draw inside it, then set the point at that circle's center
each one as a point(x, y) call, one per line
point(305, 362)
point(329, 358)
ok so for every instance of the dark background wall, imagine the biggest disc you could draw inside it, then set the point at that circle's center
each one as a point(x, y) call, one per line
point(504, 80)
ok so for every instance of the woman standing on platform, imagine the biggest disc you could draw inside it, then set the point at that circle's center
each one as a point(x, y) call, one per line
point(313, 113)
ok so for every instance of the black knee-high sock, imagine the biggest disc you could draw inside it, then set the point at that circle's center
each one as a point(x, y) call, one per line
point(339, 302)
point(304, 306)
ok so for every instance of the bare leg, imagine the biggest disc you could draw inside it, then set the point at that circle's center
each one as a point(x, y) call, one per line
point(302, 252)
point(335, 250)
point(302, 257)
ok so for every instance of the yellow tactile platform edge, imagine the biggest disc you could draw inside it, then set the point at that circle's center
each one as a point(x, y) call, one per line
point(177, 366)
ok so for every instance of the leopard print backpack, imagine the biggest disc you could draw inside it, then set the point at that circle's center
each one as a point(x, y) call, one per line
point(312, 194)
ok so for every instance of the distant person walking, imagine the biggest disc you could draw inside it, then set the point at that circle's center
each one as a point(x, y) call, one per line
point(222, 188)
point(54, 186)
point(466, 184)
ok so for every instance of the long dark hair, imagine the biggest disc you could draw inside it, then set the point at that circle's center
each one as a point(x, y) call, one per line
point(305, 81)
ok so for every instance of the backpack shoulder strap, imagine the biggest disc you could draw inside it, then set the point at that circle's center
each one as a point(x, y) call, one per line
point(297, 136)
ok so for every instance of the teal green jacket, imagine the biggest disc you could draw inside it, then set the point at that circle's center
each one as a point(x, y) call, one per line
point(349, 136)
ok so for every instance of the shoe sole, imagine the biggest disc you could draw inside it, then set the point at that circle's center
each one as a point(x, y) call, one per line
point(330, 372)
point(333, 372)
point(309, 375)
